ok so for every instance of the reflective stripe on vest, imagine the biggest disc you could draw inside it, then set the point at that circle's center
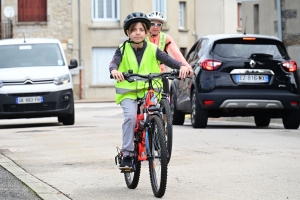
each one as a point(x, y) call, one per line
point(162, 41)
point(137, 89)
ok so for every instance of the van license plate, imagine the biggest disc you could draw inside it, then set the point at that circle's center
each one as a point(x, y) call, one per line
point(252, 78)
point(23, 100)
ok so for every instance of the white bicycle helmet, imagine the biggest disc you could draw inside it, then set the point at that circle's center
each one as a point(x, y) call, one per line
point(156, 16)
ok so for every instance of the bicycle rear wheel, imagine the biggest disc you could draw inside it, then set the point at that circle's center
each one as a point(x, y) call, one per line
point(132, 178)
point(164, 103)
point(158, 163)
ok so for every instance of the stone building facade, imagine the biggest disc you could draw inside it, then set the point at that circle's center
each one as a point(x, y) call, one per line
point(268, 19)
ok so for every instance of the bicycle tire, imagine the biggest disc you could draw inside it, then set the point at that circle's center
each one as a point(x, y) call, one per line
point(158, 150)
point(164, 103)
point(132, 178)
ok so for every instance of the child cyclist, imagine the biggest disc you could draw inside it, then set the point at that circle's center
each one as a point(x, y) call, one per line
point(141, 57)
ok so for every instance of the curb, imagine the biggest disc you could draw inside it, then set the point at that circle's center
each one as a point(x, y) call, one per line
point(41, 188)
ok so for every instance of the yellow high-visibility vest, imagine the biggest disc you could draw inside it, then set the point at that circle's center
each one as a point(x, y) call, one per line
point(137, 89)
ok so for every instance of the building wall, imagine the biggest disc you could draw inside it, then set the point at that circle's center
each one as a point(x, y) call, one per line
point(111, 34)
point(290, 10)
point(215, 17)
point(290, 22)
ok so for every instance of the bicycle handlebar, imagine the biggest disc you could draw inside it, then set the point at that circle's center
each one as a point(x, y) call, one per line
point(130, 77)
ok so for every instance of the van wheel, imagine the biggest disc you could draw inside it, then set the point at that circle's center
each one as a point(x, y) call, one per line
point(69, 119)
point(60, 119)
point(199, 115)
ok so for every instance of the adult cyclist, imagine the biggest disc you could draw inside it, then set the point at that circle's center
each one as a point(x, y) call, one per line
point(165, 42)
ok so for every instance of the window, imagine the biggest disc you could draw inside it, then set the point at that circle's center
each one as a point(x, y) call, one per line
point(30, 55)
point(101, 58)
point(239, 20)
point(106, 10)
point(160, 6)
point(32, 10)
point(256, 18)
point(181, 15)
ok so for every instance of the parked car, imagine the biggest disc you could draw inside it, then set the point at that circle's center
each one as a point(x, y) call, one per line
point(35, 80)
point(238, 75)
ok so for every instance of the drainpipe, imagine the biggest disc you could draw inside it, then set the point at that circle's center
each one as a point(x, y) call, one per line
point(194, 33)
point(279, 19)
point(79, 54)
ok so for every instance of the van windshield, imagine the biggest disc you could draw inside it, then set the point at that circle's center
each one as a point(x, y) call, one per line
point(30, 55)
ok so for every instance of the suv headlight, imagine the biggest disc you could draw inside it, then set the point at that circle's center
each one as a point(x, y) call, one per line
point(1, 84)
point(62, 80)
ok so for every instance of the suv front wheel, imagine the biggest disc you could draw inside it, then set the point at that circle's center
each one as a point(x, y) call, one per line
point(177, 116)
point(199, 116)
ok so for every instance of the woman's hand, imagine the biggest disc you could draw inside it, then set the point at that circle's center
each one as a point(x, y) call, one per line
point(117, 75)
point(184, 71)
point(191, 70)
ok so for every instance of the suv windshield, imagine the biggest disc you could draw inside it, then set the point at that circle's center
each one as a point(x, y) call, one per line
point(30, 55)
point(239, 48)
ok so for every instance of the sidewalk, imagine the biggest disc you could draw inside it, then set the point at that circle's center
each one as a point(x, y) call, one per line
point(16, 183)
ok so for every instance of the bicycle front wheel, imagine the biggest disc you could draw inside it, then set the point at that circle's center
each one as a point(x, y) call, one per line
point(158, 161)
point(132, 178)
point(164, 103)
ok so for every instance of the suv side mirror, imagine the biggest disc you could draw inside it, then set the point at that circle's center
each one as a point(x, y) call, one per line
point(73, 64)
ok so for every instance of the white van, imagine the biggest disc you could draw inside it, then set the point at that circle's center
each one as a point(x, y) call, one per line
point(35, 80)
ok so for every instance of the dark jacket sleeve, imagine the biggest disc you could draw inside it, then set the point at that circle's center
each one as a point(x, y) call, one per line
point(114, 64)
point(167, 60)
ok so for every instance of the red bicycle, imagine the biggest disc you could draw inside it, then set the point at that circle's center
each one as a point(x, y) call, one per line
point(149, 137)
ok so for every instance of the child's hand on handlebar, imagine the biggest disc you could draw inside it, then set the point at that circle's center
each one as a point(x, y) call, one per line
point(184, 72)
point(117, 75)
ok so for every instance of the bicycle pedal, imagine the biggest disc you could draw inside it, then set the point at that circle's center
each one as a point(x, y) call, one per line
point(126, 170)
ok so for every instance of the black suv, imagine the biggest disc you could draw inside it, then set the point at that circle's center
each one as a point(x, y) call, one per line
point(238, 75)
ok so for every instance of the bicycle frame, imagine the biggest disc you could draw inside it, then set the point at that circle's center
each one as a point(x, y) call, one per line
point(143, 145)
point(149, 109)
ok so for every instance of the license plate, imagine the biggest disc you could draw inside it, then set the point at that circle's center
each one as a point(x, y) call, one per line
point(252, 78)
point(23, 100)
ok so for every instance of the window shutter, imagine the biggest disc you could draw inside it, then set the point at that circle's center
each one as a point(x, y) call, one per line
point(32, 10)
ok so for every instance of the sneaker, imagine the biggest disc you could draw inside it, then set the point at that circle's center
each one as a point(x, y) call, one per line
point(126, 163)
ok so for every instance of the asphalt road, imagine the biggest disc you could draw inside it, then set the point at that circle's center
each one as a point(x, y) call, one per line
point(214, 159)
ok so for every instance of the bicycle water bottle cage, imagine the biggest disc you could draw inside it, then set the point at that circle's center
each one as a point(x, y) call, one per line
point(154, 108)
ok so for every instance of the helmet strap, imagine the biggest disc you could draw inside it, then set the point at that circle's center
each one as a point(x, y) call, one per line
point(129, 41)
